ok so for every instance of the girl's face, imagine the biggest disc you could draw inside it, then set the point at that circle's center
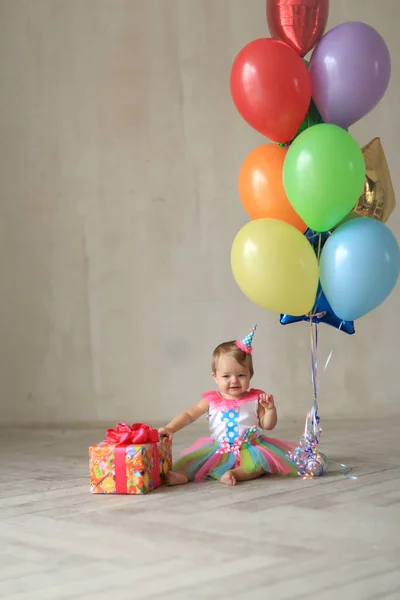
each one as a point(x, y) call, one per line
point(232, 378)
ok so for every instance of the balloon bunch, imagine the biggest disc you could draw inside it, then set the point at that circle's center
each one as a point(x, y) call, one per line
point(316, 248)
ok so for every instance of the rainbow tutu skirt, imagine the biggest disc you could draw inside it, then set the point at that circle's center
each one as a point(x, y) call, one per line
point(208, 458)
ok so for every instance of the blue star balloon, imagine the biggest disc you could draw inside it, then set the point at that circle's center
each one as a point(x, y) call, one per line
point(322, 311)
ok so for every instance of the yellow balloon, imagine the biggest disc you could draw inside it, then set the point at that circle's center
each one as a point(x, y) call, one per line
point(275, 266)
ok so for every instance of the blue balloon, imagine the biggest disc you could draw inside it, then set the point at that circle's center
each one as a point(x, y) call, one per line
point(359, 267)
point(322, 313)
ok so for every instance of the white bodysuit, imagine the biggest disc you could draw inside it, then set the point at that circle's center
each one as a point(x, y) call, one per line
point(230, 419)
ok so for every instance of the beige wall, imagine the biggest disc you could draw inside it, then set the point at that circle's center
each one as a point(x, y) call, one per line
point(119, 155)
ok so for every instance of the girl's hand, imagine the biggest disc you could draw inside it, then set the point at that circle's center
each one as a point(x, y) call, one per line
point(166, 432)
point(266, 401)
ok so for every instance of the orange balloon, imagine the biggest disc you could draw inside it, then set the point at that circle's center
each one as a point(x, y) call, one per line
point(261, 188)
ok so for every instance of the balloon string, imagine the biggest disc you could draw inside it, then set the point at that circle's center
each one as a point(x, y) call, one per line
point(319, 246)
point(314, 366)
point(313, 313)
point(305, 455)
point(313, 421)
point(316, 382)
point(313, 418)
point(314, 342)
point(328, 360)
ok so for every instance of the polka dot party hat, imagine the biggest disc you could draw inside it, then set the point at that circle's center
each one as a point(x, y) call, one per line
point(245, 343)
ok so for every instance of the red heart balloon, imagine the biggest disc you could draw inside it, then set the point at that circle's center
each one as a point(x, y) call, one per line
point(271, 88)
point(298, 23)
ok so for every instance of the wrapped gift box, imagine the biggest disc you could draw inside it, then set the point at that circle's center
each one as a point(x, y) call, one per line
point(130, 460)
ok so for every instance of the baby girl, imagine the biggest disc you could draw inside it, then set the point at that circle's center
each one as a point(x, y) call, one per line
point(236, 449)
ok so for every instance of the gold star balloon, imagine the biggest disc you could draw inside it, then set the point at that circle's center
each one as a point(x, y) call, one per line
point(377, 200)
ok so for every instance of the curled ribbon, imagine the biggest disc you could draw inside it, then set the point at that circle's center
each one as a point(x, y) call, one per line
point(345, 467)
point(126, 435)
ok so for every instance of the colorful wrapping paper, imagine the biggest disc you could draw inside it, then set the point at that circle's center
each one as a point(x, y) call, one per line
point(130, 460)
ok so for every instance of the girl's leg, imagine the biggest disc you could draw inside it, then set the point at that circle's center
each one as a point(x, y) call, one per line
point(234, 475)
point(177, 478)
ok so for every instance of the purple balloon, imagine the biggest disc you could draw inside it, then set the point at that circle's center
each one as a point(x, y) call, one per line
point(350, 72)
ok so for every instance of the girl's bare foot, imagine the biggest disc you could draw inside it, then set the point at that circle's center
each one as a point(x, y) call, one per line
point(228, 478)
point(176, 478)
point(232, 477)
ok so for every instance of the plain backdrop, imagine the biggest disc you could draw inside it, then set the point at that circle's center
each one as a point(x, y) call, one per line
point(120, 149)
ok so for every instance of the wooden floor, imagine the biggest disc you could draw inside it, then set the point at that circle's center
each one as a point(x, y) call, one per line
point(327, 539)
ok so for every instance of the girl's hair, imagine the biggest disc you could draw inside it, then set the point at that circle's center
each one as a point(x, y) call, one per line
point(232, 350)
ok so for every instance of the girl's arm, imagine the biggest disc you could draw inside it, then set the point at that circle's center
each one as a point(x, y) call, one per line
point(267, 414)
point(185, 418)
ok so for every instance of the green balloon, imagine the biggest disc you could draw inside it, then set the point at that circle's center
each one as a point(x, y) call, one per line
point(323, 175)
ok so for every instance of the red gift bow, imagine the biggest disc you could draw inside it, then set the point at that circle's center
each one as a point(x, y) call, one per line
point(126, 435)
point(138, 433)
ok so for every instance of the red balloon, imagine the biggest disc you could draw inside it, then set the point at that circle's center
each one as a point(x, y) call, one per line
point(271, 88)
point(299, 23)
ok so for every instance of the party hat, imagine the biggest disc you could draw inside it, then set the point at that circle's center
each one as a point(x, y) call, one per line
point(245, 343)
